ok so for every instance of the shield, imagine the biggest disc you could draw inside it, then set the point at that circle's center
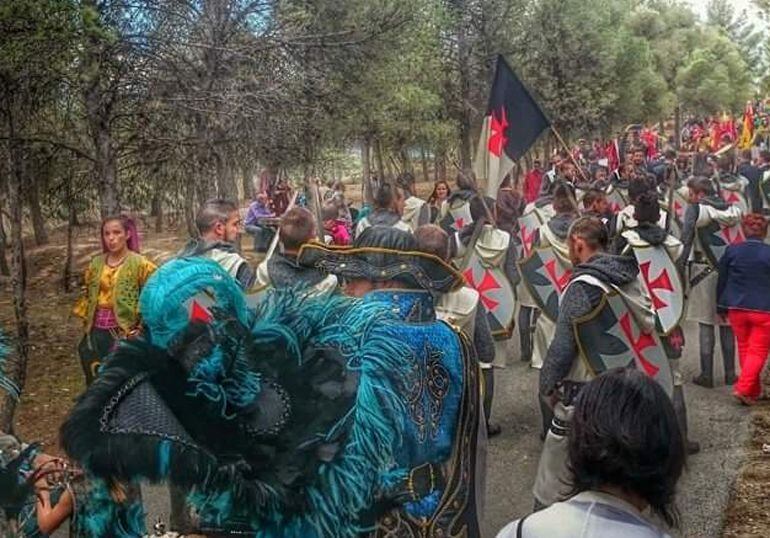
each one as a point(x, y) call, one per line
point(663, 284)
point(528, 226)
point(610, 337)
point(616, 200)
point(764, 186)
point(736, 198)
point(679, 206)
point(457, 218)
point(546, 277)
point(495, 293)
point(714, 238)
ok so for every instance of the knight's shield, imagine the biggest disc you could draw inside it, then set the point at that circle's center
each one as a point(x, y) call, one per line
point(495, 292)
point(528, 226)
point(714, 238)
point(610, 337)
point(616, 200)
point(663, 284)
point(546, 277)
point(457, 218)
point(764, 186)
point(735, 198)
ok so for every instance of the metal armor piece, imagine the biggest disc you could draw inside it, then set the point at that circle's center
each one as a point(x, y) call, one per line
point(715, 237)
point(546, 276)
point(611, 337)
point(663, 284)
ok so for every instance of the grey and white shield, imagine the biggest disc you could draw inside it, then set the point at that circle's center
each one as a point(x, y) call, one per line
point(457, 218)
point(663, 285)
point(610, 337)
point(529, 223)
point(546, 277)
point(736, 198)
point(495, 293)
point(616, 200)
point(714, 239)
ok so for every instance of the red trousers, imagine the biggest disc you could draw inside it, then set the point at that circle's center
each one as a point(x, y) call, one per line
point(752, 331)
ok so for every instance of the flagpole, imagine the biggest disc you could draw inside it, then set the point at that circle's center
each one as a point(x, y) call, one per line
point(571, 158)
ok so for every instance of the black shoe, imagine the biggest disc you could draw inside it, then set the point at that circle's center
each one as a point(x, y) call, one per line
point(731, 379)
point(692, 447)
point(493, 429)
point(704, 381)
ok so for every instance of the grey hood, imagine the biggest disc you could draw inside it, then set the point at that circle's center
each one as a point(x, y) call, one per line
point(651, 233)
point(616, 270)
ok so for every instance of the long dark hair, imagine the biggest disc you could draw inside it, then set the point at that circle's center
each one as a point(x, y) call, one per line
point(624, 433)
point(434, 196)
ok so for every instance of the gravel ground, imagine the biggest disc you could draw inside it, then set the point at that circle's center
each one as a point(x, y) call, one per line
point(715, 421)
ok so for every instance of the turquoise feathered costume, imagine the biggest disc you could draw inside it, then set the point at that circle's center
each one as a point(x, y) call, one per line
point(283, 421)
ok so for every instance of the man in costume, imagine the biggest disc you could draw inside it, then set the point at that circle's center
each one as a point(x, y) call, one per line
point(595, 205)
point(290, 420)
point(463, 310)
point(416, 212)
point(440, 420)
point(604, 322)
point(710, 225)
point(219, 223)
point(732, 187)
point(753, 175)
point(657, 253)
point(534, 216)
point(545, 273)
point(388, 208)
point(281, 269)
point(553, 238)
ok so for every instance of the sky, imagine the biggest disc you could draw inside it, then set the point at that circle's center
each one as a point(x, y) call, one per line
point(700, 7)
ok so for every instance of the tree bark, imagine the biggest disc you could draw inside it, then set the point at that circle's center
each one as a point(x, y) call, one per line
point(5, 270)
point(248, 181)
point(463, 57)
point(157, 206)
point(15, 366)
point(379, 160)
point(424, 162)
point(69, 271)
point(36, 212)
point(677, 125)
point(367, 191)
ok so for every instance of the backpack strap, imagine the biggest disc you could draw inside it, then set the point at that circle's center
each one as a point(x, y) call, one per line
point(520, 526)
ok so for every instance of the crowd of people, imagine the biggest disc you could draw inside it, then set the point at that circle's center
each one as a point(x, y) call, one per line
point(344, 385)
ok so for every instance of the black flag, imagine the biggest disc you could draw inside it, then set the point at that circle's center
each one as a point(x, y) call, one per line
point(512, 124)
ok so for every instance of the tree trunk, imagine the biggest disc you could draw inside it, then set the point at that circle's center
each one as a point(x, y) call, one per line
point(157, 206)
point(677, 125)
point(36, 212)
point(424, 162)
point(15, 367)
point(248, 181)
point(463, 54)
point(69, 271)
point(367, 191)
point(4, 269)
point(380, 161)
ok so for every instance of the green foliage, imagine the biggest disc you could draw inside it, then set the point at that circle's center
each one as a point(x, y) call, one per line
point(715, 76)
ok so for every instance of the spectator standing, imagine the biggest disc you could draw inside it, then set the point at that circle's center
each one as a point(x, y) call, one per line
point(109, 304)
point(743, 293)
point(626, 455)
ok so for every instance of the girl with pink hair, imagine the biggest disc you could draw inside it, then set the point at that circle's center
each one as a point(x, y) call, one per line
point(109, 304)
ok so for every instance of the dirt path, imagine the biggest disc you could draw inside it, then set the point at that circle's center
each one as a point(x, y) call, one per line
point(55, 379)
